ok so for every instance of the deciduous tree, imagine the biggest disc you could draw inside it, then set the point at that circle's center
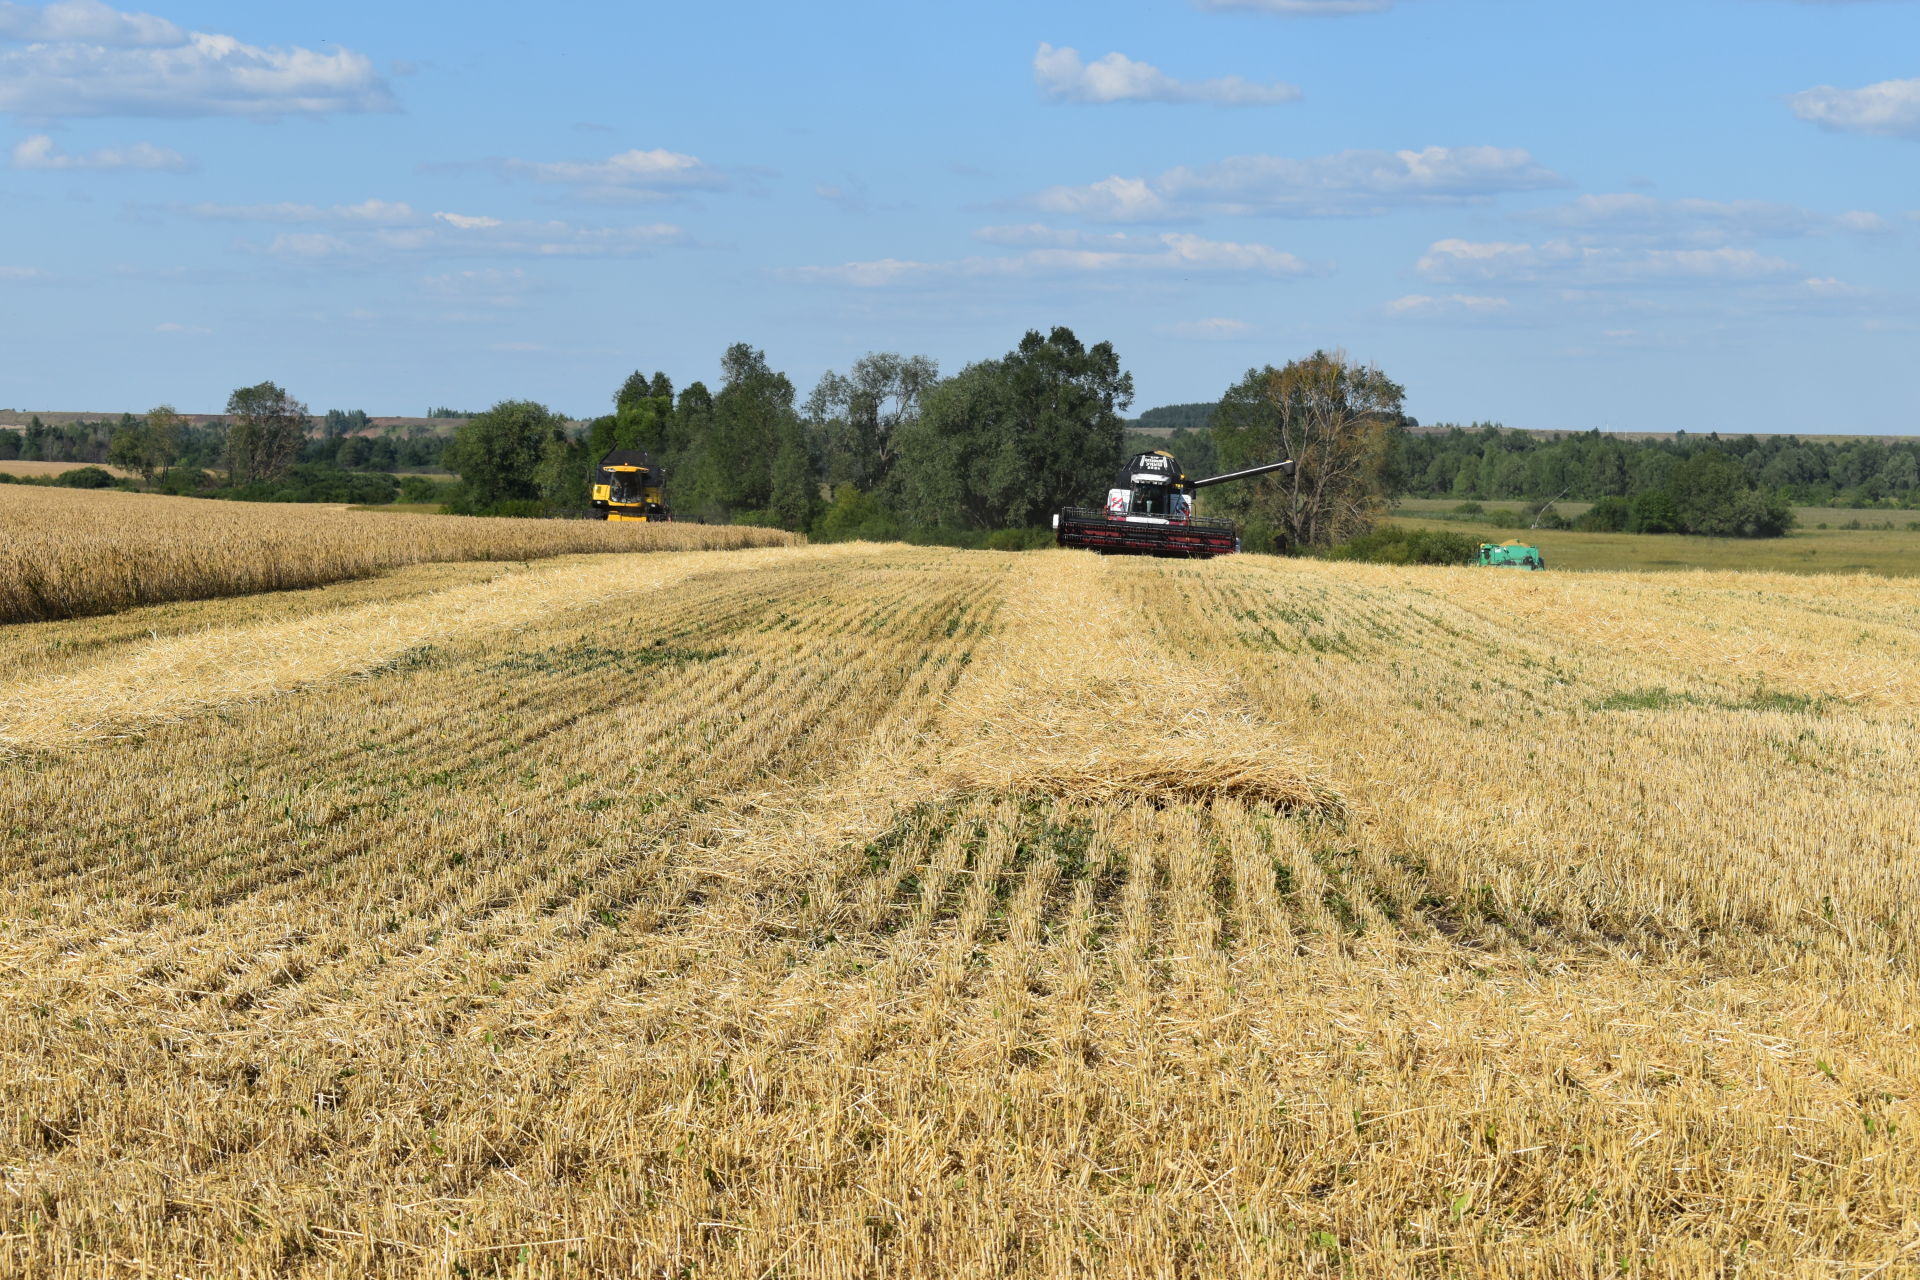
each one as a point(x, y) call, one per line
point(1334, 418)
point(265, 429)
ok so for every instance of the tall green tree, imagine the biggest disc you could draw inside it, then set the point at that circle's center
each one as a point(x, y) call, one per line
point(497, 454)
point(753, 423)
point(265, 430)
point(1006, 442)
point(149, 446)
point(856, 417)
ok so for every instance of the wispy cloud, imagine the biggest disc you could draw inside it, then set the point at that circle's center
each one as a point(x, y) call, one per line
point(1641, 218)
point(391, 213)
point(463, 235)
point(1068, 254)
point(1346, 184)
point(39, 152)
point(1212, 329)
point(628, 173)
point(180, 329)
point(1890, 108)
point(1063, 77)
point(88, 21)
point(84, 58)
point(1566, 263)
point(23, 275)
point(1420, 306)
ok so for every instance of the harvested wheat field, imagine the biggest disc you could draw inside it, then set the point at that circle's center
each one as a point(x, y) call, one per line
point(68, 553)
point(872, 911)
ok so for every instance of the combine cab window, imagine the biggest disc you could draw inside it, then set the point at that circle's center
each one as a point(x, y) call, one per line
point(629, 486)
point(1150, 500)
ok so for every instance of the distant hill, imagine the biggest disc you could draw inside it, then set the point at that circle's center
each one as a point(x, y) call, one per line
point(18, 418)
point(1169, 417)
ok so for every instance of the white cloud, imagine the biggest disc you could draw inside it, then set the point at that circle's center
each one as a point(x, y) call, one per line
point(1063, 77)
point(366, 213)
point(1038, 235)
point(1863, 222)
point(1114, 199)
point(1561, 261)
point(1299, 8)
point(1643, 216)
point(1891, 107)
point(1831, 287)
point(630, 172)
point(1420, 305)
point(83, 58)
point(88, 21)
point(38, 152)
point(467, 222)
point(517, 347)
point(1067, 255)
point(461, 235)
point(23, 274)
point(183, 330)
point(1348, 183)
point(1212, 329)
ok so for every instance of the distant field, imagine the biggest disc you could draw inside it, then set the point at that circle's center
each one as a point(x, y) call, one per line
point(67, 553)
point(16, 467)
point(1893, 552)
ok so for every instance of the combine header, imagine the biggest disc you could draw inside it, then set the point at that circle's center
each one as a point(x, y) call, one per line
point(1149, 512)
point(628, 486)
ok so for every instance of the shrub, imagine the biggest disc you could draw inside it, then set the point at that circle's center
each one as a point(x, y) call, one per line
point(855, 517)
point(181, 481)
point(1609, 515)
point(1019, 539)
point(1391, 544)
point(424, 489)
point(1654, 512)
point(1469, 509)
point(85, 478)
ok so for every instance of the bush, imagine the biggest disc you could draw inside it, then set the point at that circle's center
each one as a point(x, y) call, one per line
point(181, 481)
point(1019, 539)
point(318, 482)
point(424, 489)
point(1654, 512)
point(85, 478)
point(1469, 509)
point(1391, 544)
point(1609, 515)
point(855, 517)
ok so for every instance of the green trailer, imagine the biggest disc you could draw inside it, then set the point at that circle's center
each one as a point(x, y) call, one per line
point(1512, 555)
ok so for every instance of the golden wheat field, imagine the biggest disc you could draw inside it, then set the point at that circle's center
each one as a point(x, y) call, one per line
point(866, 911)
point(68, 553)
point(20, 467)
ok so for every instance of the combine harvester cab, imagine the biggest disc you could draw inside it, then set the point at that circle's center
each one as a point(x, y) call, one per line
point(1511, 555)
point(1149, 512)
point(628, 486)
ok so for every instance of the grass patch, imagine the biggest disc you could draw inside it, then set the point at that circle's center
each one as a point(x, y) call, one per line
point(1761, 699)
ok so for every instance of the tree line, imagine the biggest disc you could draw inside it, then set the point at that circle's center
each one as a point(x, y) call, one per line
point(1487, 461)
point(888, 448)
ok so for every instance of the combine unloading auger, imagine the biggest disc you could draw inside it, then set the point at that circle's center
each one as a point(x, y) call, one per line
point(1149, 512)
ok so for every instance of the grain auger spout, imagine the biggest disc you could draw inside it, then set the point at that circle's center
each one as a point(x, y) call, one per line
point(1149, 512)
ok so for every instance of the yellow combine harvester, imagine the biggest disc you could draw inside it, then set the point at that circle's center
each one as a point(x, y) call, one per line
point(629, 486)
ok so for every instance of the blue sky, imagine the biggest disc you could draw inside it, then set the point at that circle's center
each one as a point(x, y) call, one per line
point(1699, 214)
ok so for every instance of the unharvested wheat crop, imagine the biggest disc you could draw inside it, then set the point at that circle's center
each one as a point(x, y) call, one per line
point(861, 911)
point(70, 553)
